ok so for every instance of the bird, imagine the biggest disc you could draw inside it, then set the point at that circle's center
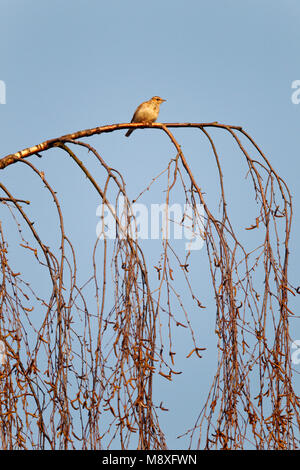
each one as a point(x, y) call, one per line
point(146, 112)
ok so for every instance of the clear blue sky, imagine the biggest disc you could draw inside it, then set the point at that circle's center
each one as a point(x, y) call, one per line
point(74, 64)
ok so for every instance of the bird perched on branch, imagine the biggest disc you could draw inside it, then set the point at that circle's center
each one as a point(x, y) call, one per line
point(146, 112)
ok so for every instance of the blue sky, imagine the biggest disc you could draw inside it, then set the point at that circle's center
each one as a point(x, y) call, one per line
point(74, 64)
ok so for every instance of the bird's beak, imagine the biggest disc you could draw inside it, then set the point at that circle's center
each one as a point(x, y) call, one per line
point(162, 100)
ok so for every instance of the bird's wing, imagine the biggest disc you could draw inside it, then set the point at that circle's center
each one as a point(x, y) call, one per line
point(136, 111)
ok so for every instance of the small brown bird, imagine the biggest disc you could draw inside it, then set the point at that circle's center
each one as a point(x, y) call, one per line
point(146, 112)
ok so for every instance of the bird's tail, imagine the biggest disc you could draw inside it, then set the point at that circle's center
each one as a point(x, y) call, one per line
point(129, 132)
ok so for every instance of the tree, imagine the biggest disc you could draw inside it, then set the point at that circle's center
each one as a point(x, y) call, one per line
point(83, 375)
